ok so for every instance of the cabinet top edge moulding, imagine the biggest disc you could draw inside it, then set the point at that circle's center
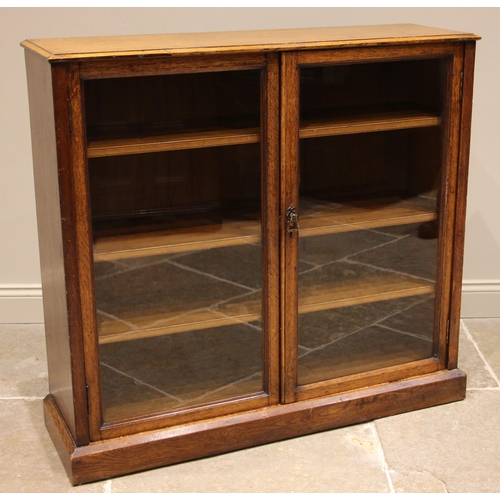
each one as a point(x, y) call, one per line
point(57, 49)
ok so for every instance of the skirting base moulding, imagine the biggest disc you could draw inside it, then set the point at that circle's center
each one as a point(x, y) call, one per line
point(21, 304)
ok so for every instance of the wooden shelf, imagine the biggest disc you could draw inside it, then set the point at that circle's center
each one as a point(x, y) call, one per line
point(324, 219)
point(172, 142)
point(177, 238)
point(368, 122)
point(314, 298)
point(366, 214)
point(342, 125)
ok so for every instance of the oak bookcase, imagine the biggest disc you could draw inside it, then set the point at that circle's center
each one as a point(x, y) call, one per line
point(246, 236)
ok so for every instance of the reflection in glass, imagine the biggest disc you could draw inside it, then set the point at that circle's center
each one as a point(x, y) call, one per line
point(352, 329)
point(370, 170)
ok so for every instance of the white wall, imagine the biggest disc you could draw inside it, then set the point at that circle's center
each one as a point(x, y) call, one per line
point(20, 293)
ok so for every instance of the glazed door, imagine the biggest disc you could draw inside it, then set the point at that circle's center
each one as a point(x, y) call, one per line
point(185, 239)
point(368, 207)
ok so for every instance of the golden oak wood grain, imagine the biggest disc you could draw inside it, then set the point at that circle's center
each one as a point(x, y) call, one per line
point(50, 232)
point(365, 378)
point(161, 414)
point(289, 159)
point(313, 298)
point(56, 238)
point(270, 225)
point(61, 437)
point(160, 65)
point(177, 239)
point(86, 343)
point(328, 220)
point(173, 142)
point(366, 214)
point(236, 41)
point(462, 176)
point(376, 122)
point(157, 448)
point(359, 124)
point(377, 53)
point(448, 202)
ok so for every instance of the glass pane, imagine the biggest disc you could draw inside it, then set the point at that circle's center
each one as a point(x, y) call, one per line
point(370, 170)
point(177, 239)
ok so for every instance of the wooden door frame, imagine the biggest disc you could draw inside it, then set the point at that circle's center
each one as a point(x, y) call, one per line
point(290, 73)
point(269, 67)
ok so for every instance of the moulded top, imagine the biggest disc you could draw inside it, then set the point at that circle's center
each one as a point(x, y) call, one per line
point(239, 41)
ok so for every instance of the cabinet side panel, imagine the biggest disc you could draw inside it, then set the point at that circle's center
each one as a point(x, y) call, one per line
point(50, 235)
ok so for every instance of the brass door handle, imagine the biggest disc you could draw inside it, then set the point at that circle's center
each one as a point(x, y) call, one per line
point(292, 220)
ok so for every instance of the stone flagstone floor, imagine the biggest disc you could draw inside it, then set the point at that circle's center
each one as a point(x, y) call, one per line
point(450, 448)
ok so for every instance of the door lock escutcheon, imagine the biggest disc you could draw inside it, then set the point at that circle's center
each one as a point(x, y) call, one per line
point(292, 220)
